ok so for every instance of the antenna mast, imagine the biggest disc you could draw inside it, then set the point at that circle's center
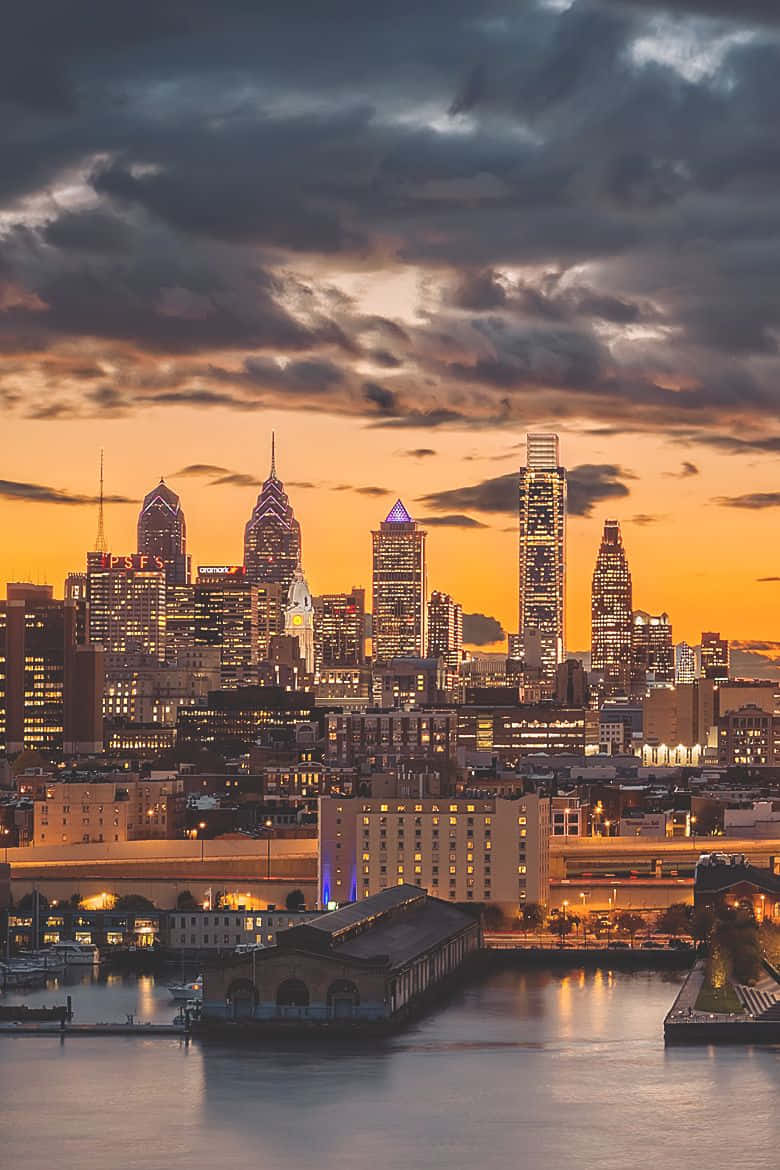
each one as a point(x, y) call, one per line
point(100, 539)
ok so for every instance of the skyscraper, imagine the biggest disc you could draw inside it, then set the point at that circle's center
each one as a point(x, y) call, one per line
point(398, 587)
point(542, 552)
point(51, 679)
point(299, 618)
point(684, 663)
point(127, 603)
point(226, 616)
point(272, 537)
point(162, 532)
point(715, 657)
point(652, 651)
point(610, 612)
point(339, 629)
point(445, 629)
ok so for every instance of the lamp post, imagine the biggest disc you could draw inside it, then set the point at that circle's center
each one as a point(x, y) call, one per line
point(201, 827)
point(693, 829)
point(563, 923)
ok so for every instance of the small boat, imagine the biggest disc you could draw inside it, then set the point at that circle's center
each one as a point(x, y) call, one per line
point(181, 992)
point(48, 958)
point(18, 973)
point(77, 954)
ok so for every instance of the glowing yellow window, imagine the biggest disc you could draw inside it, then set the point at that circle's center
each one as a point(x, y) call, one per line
point(452, 869)
point(418, 857)
point(383, 808)
point(469, 808)
point(453, 808)
point(366, 856)
point(366, 820)
point(418, 869)
point(488, 820)
point(488, 844)
point(469, 869)
point(522, 869)
point(523, 832)
point(400, 869)
point(453, 820)
point(521, 821)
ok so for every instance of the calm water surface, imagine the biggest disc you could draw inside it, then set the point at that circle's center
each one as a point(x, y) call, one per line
point(524, 1070)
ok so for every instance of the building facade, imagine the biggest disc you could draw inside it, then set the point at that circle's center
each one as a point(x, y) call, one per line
point(684, 663)
point(611, 613)
point(445, 629)
point(340, 630)
point(542, 553)
point(51, 677)
point(512, 732)
point(399, 587)
point(652, 651)
point(127, 603)
point(162, 532)
point(715, 656)
point(381, 740)
point(493, 850)
point(226, 618)
point(272, 537)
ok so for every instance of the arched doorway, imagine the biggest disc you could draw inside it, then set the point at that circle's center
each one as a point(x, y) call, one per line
point(293, 993)
point(343, 999)
point(241, 998)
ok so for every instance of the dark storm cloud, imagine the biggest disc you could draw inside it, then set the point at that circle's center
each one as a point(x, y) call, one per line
point(751, 501)
point(481, 630)
point(198, 469)
point(452, 520)
point(588, 485)
point(420, 453)
point(764, 580)
point(643, 519)
point(39, 494)
point(594, 228)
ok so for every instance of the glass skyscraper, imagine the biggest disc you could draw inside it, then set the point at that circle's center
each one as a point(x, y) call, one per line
point(611, 613)
point(542, 556)
point(272, 537)
point(162, 532)
point(399, 587)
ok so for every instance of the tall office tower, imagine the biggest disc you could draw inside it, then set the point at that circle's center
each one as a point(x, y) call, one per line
point(542, 553)
point(339, 629)
point(272, 537)
point(571, 684)
point(611, 613)
point(398, 587)
point(76, 587)
point(127, 604)
point(715, 657)
point(179, 619)
point(684, 663)
point(225, 612)
point(445, 629)
point(162, 532)
point(50, 680)
point(299, 618)
point(270, 616)
point(652, 651)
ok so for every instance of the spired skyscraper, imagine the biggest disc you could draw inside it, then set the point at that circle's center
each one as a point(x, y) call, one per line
point(611, 609)
point(399, 587)
point(272, 537)
point(542, 556)
point(162, 532)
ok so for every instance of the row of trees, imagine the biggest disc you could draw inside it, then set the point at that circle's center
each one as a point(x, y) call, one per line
point(138, 904)
point(678, 920)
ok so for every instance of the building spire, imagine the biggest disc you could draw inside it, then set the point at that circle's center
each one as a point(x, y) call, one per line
point(273, 454)
point(100, 539)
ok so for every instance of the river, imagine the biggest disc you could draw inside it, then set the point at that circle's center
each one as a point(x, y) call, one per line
point(523, 1070)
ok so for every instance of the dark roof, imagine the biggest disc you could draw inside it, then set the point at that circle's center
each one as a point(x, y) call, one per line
point(719, 877)
point(389, 928)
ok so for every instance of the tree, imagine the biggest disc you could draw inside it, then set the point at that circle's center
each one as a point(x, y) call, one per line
point(701, 924)
point(185, 901)
point(493, 917)
point(295, 900)
point(563, 924)
point(675, 919)
point(533, 916)
point(26, 904)
point(134, 904)
point(630, 923)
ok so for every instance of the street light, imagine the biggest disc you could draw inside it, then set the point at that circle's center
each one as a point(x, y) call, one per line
point(268, 827)
point(202, 826)
point(693, 828)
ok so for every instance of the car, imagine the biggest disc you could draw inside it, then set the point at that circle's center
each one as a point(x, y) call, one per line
point(679, 944)
point(650, 945)
point(618, 946)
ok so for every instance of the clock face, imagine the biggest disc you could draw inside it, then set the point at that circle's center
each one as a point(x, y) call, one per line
point(297, 619)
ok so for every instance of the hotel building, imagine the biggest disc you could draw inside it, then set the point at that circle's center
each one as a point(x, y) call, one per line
point(461, 850)
point(611, 613)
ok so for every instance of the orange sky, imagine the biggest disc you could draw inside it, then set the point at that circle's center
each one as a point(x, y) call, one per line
point(699, 561)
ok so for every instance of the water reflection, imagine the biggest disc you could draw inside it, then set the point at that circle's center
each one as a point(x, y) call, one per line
point(534, 1069)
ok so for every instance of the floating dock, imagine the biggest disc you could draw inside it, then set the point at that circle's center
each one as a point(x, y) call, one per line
point(35, 1028)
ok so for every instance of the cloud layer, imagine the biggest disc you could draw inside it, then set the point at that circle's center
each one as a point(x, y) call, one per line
point(581, 200)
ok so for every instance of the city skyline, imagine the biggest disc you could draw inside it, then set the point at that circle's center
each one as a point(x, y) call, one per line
point(445, 549)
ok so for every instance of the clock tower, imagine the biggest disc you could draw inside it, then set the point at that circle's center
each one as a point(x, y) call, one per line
point(299, 617)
